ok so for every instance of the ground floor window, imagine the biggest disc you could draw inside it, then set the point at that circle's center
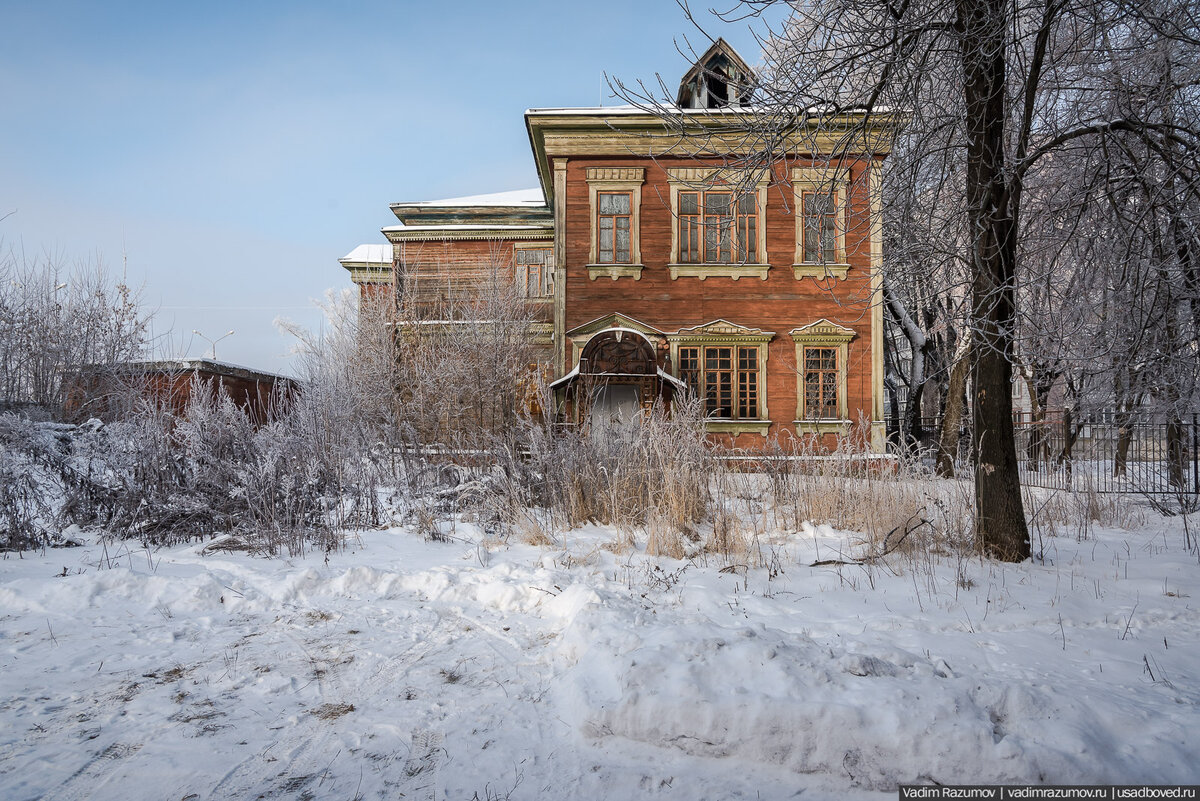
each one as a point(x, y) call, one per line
point(725, 376)
point(822, 350)
point(821, 383)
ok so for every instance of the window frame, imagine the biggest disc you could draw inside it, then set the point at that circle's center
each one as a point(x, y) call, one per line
point(739, 340)
point(521, 275)
point(606, 180)
point(834, 182)
point(742, 383)
point(702, 180)
point(822, 334)
point(815, 381)
point(614, 247)
point(731, 228)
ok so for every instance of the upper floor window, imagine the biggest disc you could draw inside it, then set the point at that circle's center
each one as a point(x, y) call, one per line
point(718, 230)
point(714, 228)
point(535, 272)
point(615, 200)
point(821, 205)
point(819, 210)
point(614, 226)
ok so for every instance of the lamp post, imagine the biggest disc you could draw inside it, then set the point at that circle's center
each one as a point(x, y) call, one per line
point(213, 342)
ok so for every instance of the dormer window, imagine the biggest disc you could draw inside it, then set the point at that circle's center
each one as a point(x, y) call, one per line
point(718, 79)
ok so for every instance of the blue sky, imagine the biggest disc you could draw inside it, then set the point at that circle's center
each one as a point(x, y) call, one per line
point(232, 152)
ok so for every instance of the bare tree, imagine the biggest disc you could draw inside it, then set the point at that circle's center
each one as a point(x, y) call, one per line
point(467, 360)
point(996, 87)
point(56, 320)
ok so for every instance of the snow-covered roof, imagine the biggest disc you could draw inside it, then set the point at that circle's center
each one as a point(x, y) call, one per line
point(651, 111)
point(369, 254)
point(465, 227)
point(517, 197)
point(186, 364)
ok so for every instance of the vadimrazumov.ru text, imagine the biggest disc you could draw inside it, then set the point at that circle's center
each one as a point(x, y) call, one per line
point(983, 792)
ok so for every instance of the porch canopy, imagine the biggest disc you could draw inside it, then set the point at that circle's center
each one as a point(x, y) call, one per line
point(615, 357)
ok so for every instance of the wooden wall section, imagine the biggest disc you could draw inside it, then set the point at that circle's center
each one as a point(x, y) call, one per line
point(779, 304)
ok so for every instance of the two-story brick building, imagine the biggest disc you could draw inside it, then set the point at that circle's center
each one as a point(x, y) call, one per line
point(662, 251)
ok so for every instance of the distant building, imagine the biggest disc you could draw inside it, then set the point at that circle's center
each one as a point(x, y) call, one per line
point(658, 254)
point(107, 391)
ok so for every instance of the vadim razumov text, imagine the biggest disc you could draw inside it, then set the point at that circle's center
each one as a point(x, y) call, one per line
point(983, 792)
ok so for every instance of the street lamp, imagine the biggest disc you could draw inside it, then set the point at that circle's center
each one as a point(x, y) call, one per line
point(213, 342)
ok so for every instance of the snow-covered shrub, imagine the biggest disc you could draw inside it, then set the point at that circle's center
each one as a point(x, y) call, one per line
point(283, 486)
point(30, 464)
point(656, 473)
point(52, 475)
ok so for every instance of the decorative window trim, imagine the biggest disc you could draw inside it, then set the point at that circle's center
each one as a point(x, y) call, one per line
point(735, 427)
point(723, 332)
point(827, 179)
point(615, 271)
point(691, 179)
point(616, 179)
point(822, 334)
point(549, 264)
point(734, 271)
point(840, 427)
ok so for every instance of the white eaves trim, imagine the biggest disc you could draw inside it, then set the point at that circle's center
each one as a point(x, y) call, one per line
point(517, 197)
point(472, 227)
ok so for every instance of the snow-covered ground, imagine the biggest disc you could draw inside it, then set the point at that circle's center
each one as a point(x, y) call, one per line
point(422, 670)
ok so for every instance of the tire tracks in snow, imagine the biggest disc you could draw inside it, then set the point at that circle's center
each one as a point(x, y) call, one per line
point(307, 745)
point(82, 784)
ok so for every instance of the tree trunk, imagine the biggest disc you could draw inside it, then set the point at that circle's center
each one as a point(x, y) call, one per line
point(918, 345)
point(1070, 434)
point(1176, 452)
point(955, 406)
point(992, 202)
point(1124, 438)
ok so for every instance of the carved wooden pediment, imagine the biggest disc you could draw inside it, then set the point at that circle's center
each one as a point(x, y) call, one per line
point(722, 330)
point(823, 331)
point(615, 320)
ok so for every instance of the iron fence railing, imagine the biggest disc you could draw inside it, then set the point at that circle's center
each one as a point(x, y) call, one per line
point(1102, 452)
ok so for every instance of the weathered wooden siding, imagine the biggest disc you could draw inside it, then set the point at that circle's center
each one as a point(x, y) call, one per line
point(434, 276)
point(780, 303)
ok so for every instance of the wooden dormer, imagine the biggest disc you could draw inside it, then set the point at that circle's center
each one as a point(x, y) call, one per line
point(719, 79)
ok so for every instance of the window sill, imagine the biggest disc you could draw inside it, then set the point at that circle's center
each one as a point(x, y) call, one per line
point(615, 271)
point(735, 427)
point(538, 299)
point(734, 271)
point(807, 270)
point(822, 426)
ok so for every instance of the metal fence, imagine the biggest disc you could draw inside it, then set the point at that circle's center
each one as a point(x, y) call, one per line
point(1103, 452)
